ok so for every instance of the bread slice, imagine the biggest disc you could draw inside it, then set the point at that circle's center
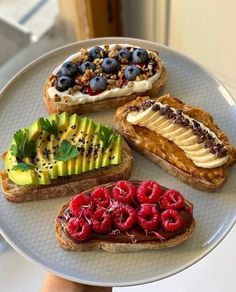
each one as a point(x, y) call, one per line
point(147, 142)
point(68, 243)
point(53, 106)
point(68, 185)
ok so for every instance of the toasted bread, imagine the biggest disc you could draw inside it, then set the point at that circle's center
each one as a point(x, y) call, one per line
point(80, 98)
point(68, 185)
point(103, 242)
point(169, 156)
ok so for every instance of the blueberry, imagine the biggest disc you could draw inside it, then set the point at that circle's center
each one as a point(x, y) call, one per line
point(98, 83)
point(140, 56)
point(69, 69)
point(131, 72)
point(110, 65)
point(64, 82)
point(124, 53)
point(87, 65)
point(96, 52)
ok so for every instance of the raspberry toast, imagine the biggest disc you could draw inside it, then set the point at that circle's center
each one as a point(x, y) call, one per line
point(138, 215)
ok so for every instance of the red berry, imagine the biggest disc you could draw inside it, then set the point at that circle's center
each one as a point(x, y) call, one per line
point(149, 191)
point(124, 192)
point(101, 221)
point(172, 199)
point(148, 217)
point(101, 197)
point(124, 217)
point(81, 203)
point(172, 220)
point(79, 228)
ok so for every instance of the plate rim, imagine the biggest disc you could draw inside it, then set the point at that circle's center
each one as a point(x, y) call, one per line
point(117, 40)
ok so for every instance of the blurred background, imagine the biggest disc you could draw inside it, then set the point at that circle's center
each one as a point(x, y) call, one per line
point(203, 30)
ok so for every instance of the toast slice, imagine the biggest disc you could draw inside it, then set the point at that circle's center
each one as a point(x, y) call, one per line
point(77, 94)
point(68, 185)
point(123, 243)
point(167, 154)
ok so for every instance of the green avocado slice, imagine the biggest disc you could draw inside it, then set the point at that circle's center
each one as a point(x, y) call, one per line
point(87, 141)
point(83, 148)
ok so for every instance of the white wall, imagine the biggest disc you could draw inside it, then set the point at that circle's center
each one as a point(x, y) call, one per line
point(202, 29)
point(206, 31)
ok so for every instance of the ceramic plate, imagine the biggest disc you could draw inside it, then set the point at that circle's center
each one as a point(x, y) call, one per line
point(29, 226)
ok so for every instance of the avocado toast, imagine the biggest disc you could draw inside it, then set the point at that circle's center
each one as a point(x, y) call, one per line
point(62, 155)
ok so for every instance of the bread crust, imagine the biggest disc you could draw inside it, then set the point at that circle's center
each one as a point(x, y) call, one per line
point(68, 185)
point(68, 243)
point(187, 177)
point(106, 104)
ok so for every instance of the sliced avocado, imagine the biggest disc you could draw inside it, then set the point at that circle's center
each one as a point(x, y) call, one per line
point(98, 158)
point(19, 177)
point(106, 158)
point(88, 137)
point(83, 133)
point(80, 142)
point(63, 121)
point(53, 117)
point(116, 151)
point(94, 146)
point(52, 164)
point(70, 132)
point(34, 130)
point(43, 176)
point(70, 135)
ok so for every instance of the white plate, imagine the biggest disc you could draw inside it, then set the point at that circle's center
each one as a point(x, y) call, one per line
point(29, 227)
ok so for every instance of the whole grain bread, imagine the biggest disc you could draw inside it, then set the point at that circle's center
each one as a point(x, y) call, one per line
point(68, 185)
point(53, 106)
point(68, 243)
point(203, 179)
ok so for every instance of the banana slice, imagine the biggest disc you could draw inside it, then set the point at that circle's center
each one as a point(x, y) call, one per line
point(136, 118)
point(170, 127)
point(188, 141)
point(158, 122)
point(150, 119)
point(213, 163)
point(163, 124)
point(172, 134)
point(201, 151)
point(186, 134)
point(204, 158)
point(193, 147)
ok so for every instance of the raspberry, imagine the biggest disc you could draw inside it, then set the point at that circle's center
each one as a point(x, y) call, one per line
point(124, 192)
point(149, 191)
point(172, 199)
point(124, 217)
point(79, 203)
point(79, 228)
point(101, 197)
point(171, 220)
point(101, 221)
point(148, 217)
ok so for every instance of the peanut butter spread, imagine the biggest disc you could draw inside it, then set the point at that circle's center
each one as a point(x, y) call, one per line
point(153, 142)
